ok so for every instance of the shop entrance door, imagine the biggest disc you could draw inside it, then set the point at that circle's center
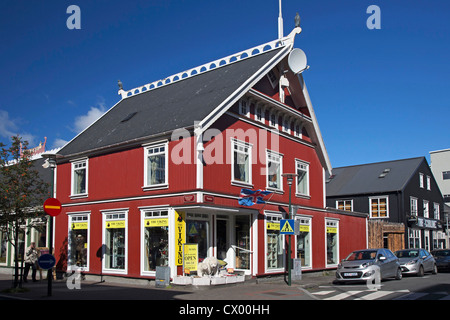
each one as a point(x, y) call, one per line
point(233, 241)
point(243, 253)
point(223, 239)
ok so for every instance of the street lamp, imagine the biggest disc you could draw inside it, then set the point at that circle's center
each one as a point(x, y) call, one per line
point(289, 178)
point(50, 162)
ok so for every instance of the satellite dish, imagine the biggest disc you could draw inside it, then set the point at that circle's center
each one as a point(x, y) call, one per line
point(297, 61)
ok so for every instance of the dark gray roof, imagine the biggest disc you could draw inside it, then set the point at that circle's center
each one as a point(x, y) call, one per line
point(364, 179)
point(177, 105)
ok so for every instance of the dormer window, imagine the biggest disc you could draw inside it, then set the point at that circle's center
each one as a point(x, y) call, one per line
point(259, 113)
point(244, 108)
point(273, 119)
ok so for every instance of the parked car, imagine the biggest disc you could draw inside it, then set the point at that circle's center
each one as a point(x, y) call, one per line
point(366, 265)
point(442, 257)
point(416, 261)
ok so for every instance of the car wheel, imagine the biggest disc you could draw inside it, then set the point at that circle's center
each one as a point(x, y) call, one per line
point(399, 274)
point(420, 272)
point(435, 271)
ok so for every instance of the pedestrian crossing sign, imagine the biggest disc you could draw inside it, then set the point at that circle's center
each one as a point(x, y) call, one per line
point(287, 226)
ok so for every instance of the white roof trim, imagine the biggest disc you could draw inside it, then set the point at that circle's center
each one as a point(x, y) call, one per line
point(263, 48)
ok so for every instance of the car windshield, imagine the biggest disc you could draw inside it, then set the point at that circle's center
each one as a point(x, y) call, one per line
point(362, 255)
point(407, 254)
point(441, 253)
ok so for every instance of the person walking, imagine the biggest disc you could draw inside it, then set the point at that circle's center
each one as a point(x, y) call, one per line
point(31, 257)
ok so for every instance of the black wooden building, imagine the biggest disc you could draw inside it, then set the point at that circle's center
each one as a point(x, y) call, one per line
point(401, 193)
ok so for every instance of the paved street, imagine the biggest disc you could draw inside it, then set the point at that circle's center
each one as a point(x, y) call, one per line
point(311, 287)
point(429, 287)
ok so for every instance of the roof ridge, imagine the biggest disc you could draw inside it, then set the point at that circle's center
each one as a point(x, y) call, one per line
point(379, 162)
point(218, 63)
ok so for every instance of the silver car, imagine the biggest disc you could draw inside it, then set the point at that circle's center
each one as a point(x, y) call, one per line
point(416, 261)
point(367, 265)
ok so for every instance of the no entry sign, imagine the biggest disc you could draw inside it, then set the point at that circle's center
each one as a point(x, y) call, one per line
point(52, 207)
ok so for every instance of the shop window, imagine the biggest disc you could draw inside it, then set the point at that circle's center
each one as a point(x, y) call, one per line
point(274, 170)
point(304, 242)
point(156, 239)
point(274, 243)
point(243, 253)
point(115, 240)
point(332, 231)
point(379, 207)
point(414, 238)
point(80, 178)
point(78, 241)
point(197, 231)
point(156, 166)
point(241, 166)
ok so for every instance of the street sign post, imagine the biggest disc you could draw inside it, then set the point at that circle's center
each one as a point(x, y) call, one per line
point(52, 207)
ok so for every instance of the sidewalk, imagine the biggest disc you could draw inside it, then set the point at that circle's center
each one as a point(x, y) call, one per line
point(253, 289)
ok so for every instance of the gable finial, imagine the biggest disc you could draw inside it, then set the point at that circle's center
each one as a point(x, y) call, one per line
point(297, 20)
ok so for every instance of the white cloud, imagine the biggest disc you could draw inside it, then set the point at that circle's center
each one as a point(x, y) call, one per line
point(58, 143)
point(9, 128)
point(84, 121)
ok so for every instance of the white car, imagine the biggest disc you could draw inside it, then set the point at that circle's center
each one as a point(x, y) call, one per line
point(366, 265)
point(416, 261)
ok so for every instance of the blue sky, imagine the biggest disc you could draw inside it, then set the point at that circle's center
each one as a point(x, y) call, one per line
point(378, 94)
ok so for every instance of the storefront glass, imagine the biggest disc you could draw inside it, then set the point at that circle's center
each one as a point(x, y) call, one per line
point(243, 242)
point(115, 241)
point(3, 246)
point(197, 227)
point(304, 242)
point(274, 242)
point(156, 240)
point(332, 232)
point(78, 241)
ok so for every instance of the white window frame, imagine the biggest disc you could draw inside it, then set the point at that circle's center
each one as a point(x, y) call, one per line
point(437, 213)
point(421, 183)
point(237, 146)
point(244, 107)
point(297, 133)
point(414, 206)
point(105, 218)
point(261, 107)
point(305, 164)
point(154, 148)
point(305, 221)
point(426, 209)
point(273, 124)
point(429, 183)
point(78, 217)
point(345, 201)
point(273, 217)
point(387, 207)
point(331, 223)
point(74, 165)
point(286, 124)
point(272, 156)
point(153, 213)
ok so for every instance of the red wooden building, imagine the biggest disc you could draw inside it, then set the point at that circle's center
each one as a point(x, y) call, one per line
point(166, 166)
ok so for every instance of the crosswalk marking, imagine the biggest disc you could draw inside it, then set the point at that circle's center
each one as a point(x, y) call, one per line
point(343, 295)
